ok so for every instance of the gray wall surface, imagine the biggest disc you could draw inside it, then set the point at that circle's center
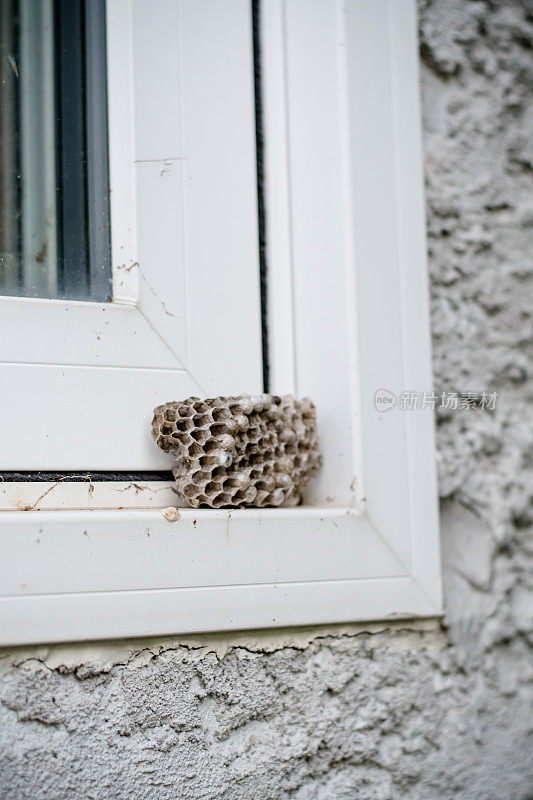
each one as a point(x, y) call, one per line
point(423, 711)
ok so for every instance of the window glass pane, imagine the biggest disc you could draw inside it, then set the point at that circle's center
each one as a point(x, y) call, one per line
point(54, 194)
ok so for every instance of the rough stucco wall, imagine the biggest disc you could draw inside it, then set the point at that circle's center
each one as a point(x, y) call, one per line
point(415, 711)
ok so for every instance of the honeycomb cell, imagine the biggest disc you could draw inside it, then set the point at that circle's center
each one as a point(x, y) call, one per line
point(236, 452)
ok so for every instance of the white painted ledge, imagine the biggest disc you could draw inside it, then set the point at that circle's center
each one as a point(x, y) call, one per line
point(64, 495)
point(76, 575)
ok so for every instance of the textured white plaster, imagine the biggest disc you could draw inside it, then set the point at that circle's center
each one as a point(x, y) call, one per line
point(133, 653)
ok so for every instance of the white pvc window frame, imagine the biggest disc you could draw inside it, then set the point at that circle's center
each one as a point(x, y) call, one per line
point(183, 203)
point(349, 316)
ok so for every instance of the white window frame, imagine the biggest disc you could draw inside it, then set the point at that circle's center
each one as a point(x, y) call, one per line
point(183, 215)
point(348, 316)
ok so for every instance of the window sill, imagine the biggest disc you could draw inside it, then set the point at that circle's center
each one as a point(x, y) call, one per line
point(78, 574)
point(85, 495)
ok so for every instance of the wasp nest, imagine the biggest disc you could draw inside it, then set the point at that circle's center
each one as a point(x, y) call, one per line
point(239, 451)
